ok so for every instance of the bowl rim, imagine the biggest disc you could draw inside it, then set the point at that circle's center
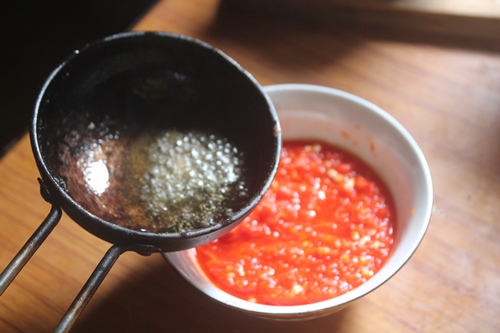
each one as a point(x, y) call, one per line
point(177, 259)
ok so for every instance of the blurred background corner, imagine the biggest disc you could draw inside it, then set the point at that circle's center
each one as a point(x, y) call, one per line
point(36, 36)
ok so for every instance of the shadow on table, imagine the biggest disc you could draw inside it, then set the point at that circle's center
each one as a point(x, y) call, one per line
point(157, 299)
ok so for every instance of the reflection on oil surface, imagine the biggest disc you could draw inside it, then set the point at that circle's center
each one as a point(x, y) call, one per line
point(97, 176)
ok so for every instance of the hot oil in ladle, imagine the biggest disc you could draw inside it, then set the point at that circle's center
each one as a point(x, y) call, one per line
point(160, 181)
point(187, 178)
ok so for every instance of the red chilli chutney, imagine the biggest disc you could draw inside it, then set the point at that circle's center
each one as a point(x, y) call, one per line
point(324, 227)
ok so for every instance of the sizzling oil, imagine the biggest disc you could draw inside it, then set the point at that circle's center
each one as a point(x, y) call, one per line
point(168, 181)
point(187, 180)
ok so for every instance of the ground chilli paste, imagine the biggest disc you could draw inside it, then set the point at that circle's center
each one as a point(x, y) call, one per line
point(324, 227)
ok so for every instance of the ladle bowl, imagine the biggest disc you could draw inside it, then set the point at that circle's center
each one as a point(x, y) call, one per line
point(111, 94)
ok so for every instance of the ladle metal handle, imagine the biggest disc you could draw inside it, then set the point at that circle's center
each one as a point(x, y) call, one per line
point(95, 280)
point(29, 248)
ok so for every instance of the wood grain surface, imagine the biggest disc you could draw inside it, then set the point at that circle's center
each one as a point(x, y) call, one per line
point(444, 90)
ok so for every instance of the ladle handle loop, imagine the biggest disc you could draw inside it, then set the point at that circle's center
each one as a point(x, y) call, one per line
point(29, 248)
point(95, 280)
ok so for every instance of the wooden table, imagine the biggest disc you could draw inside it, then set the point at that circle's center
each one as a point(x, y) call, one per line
point(444, 90)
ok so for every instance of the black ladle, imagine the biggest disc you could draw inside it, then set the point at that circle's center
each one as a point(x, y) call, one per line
point(124, 86)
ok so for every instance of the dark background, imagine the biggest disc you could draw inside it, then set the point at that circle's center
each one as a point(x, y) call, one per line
point(36, 36)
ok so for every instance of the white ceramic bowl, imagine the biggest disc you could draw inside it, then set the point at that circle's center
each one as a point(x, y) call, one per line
point(352, 123)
